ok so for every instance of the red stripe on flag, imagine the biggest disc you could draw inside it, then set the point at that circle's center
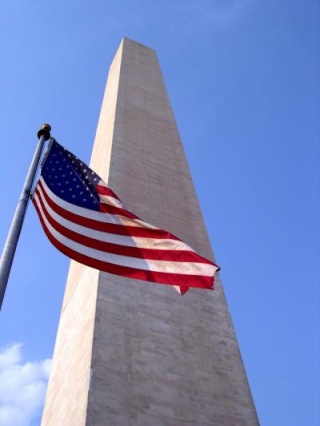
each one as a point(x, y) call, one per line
point(112, 228)
point(158, 277)
point(136, 252)
point(107, 208)
point(105, 190)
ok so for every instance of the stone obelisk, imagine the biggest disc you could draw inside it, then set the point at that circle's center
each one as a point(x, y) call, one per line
point(135, 353)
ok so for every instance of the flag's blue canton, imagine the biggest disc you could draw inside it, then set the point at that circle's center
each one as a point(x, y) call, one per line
point(69, 178)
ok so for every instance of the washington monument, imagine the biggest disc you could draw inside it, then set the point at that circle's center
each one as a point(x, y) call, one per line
point(133, 353)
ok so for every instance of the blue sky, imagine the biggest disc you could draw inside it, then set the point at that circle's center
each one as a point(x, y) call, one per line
point(243, 77)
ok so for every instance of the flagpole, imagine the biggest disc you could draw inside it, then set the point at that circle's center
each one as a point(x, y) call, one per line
point(17, 221)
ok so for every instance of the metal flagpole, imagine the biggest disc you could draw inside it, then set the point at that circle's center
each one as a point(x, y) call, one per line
point(17, 221)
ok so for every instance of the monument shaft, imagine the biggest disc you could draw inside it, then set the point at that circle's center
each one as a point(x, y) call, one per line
point(130, 352)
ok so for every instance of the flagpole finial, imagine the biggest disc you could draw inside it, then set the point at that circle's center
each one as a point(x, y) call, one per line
point(44, 131)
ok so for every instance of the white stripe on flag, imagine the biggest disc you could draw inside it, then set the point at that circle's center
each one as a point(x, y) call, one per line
point(89, 214)
point(184, 268)
point(123, 240)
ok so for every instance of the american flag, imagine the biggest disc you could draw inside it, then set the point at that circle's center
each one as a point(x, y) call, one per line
point(85, 220)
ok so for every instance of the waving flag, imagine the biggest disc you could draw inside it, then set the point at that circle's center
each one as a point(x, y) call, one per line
point(86, 221)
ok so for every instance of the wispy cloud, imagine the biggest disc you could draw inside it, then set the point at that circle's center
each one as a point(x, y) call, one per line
point(22, 387)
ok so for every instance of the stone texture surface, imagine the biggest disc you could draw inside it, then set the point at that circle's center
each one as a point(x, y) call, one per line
point(67, 394)
point(141, 354)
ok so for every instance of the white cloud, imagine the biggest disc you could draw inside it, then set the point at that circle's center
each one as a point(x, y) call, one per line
point(22, 387)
